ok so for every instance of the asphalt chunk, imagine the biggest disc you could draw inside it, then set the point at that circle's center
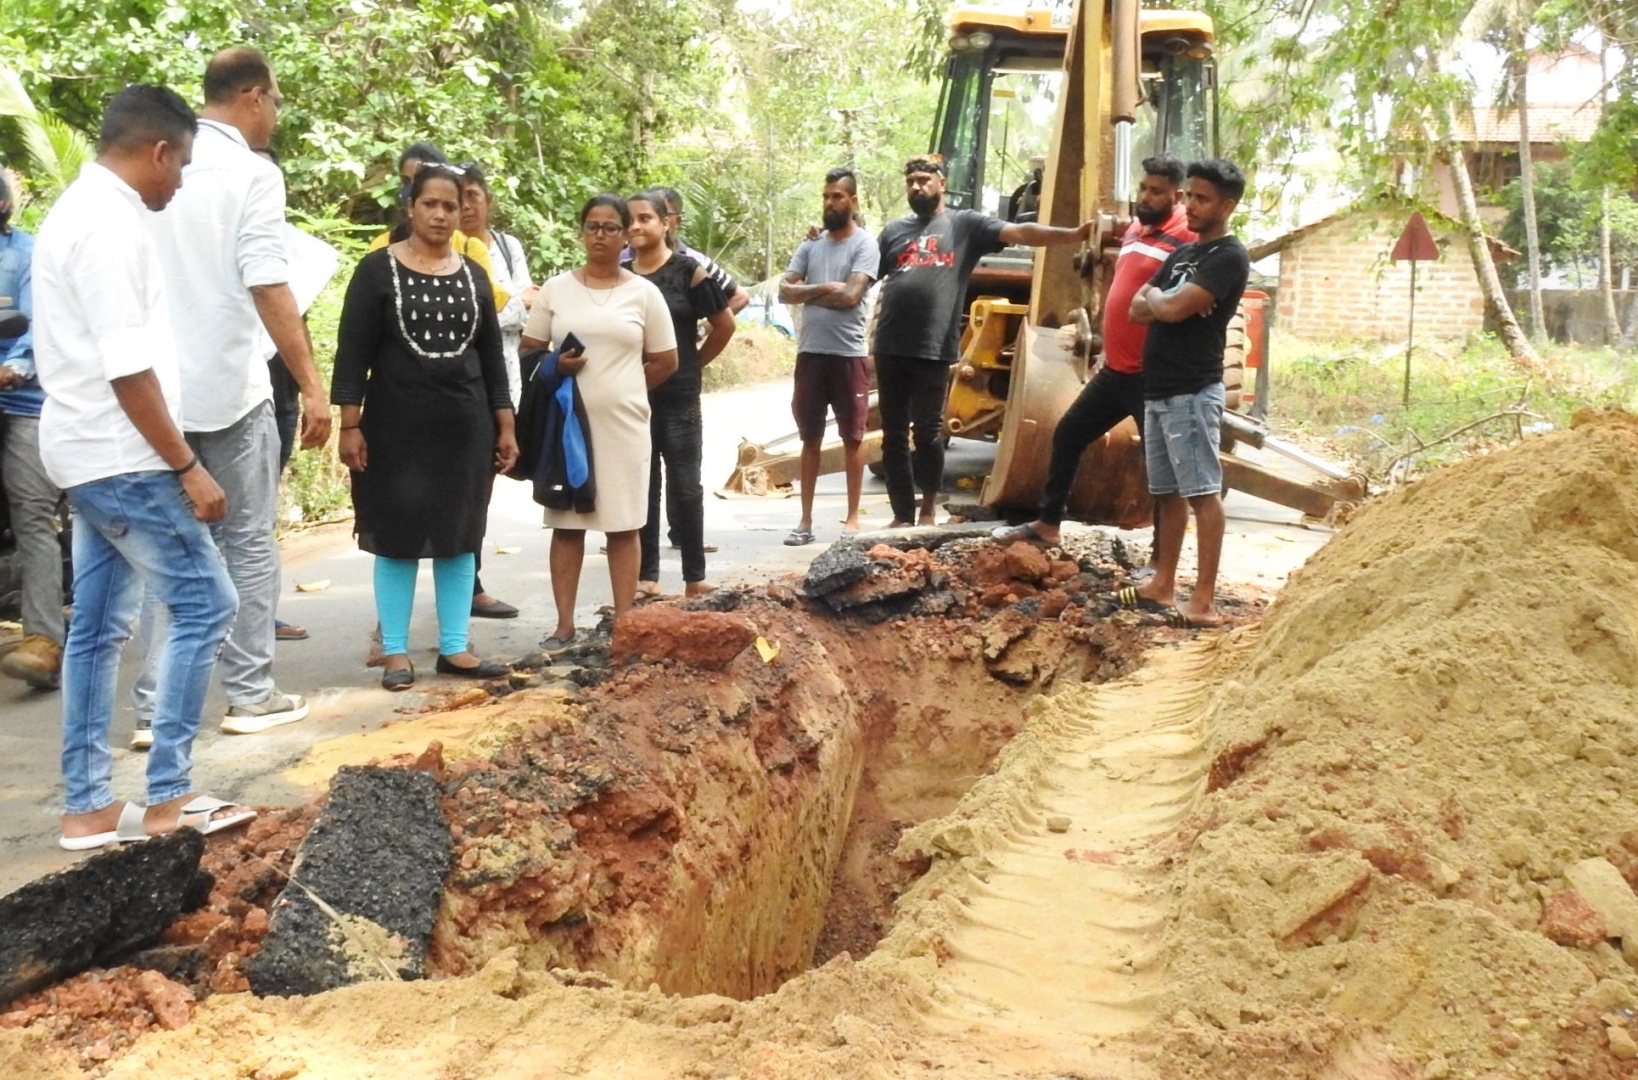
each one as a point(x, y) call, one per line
point(366, 887)
point(97, 912)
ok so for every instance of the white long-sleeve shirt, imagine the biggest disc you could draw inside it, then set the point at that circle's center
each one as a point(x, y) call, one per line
point(513, 275)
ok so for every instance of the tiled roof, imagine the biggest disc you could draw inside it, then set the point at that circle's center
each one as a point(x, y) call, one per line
point(1374, 205)
point(1548, 124)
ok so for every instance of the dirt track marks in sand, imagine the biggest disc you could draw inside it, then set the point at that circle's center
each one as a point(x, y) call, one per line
point(1058, 935)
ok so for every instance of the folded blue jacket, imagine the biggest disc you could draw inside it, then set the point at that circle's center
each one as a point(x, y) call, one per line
point(563, 476)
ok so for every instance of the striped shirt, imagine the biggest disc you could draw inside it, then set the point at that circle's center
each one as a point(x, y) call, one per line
point(1142, 250)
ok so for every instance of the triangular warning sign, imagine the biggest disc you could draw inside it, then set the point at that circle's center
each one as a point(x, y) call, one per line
point(1416, 242)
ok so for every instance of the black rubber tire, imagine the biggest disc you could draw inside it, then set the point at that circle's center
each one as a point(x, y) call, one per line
point(1234, 361)
point(1234, 370)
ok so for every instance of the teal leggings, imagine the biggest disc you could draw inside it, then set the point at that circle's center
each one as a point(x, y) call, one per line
point(395, 601)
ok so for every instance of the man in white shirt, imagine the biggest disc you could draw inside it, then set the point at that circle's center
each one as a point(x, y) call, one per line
point(110, 436)
point(222, 245)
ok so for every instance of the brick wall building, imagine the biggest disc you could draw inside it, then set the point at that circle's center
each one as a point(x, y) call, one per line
point(1337, 281)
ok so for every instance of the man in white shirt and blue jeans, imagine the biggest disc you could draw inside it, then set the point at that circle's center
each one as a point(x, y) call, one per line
point(110, 436)
point(222, 245)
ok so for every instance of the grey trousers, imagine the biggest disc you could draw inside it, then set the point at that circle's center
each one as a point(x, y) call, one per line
point(34, 501)
point(244, 459)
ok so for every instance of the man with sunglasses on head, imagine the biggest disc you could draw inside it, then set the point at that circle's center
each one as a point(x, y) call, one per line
point(221, 243)
point(927, 258)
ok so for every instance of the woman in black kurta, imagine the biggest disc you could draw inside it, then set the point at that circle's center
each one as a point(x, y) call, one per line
point(426, 422)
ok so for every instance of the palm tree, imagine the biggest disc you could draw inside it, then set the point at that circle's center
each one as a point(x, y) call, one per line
point(1480, 18)
point(1518, 65)
point(55, 151)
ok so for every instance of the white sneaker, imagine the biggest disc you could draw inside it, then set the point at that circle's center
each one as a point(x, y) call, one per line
point(142, 738)
point(275, 710)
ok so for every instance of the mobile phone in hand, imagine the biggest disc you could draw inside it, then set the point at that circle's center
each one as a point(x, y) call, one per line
point(571, 343)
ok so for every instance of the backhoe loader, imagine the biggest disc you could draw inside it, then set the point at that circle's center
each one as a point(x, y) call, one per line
point(1046, 112)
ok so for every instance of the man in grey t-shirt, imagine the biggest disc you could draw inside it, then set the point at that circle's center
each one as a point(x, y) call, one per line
point(829, 277)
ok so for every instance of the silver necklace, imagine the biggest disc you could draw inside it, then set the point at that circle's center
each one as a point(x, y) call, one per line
point(435, 317)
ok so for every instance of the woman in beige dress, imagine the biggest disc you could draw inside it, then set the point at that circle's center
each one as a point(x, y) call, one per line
point(629, 348)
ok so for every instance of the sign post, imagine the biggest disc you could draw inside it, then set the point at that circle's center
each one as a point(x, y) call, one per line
point(1415, 244)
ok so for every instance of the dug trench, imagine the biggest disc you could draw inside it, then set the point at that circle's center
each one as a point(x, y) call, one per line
point(714, 812)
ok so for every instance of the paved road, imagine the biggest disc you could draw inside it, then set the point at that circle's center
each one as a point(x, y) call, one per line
point(1264, 543)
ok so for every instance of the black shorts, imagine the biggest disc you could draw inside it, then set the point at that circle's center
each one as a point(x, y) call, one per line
point(839, 383)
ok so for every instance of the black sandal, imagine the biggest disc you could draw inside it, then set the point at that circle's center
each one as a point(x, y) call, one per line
point(402, 679)
point(483, 669)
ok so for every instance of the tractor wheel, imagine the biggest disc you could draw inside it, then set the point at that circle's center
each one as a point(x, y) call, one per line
point(1234, 369)
point(1234, 361)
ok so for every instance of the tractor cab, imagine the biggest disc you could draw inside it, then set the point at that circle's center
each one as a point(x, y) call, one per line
point(999, 105)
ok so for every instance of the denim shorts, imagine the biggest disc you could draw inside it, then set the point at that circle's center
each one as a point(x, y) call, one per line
point(1180, 439)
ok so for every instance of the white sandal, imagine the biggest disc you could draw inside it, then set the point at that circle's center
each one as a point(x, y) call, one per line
point(196, 814)
point(130, 816)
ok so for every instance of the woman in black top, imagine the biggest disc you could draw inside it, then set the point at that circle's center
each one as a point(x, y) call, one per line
point(426, 421)
point(674, 424)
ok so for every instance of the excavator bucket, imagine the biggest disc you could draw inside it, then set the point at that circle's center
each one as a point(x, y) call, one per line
point(1109, 487)
point(763, 468)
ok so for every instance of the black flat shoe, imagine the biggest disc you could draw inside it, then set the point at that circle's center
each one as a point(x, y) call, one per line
point(483, 669)
point(402, 679)
point(498, 609)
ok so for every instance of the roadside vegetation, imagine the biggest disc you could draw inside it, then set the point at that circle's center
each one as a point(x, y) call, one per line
point(1464, 398)
point(743, 106)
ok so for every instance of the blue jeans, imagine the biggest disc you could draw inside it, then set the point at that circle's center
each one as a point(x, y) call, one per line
point(134, 532)
point(244, 459)
point(1180, 439)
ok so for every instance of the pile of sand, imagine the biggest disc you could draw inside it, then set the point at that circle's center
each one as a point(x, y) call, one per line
point(1436, 720)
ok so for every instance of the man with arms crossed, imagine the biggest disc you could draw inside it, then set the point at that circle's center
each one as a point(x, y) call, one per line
point(1187, 306)
point(829, 277)
point(110, 437)
point(222, 245)
point(1115, 391)
point(926, 259)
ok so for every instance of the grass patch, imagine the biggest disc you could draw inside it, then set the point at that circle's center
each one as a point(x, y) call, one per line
point(754, 354)
point(315, 487)
point(1351, 395)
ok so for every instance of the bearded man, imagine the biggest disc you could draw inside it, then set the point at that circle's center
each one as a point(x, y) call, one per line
point(829, 276)
point(1115, 391)
point(926, 259)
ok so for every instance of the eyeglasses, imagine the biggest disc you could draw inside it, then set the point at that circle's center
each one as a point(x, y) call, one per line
point(275, 98)
point(607, 228)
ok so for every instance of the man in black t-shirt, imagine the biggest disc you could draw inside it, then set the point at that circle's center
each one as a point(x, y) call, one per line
point(926, 259)
point(1187, 306)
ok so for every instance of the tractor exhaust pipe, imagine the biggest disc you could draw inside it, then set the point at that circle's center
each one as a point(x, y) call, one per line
point(1125, 92)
